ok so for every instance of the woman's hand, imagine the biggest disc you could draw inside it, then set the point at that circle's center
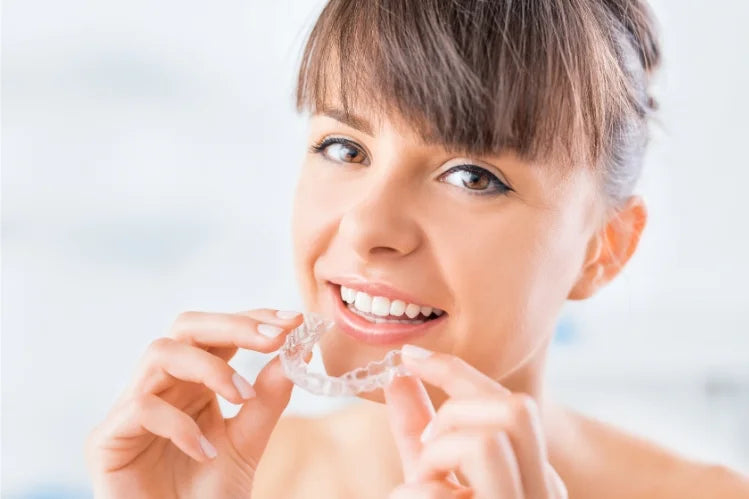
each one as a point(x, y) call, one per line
point(165, 436)
point(490, 437)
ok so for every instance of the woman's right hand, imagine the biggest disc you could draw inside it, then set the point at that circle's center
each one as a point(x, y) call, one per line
point(166, 437)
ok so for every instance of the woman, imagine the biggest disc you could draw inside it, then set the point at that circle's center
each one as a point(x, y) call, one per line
point(471, 166)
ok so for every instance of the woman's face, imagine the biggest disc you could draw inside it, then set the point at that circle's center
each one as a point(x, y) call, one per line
point(496, 245)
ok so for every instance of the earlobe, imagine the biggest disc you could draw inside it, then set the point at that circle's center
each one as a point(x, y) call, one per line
point(611, 248)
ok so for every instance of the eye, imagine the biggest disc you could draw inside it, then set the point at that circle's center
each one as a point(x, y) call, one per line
point(475, 179)
point(340, 150)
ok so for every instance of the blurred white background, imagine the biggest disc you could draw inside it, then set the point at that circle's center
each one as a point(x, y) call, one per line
point(149, 155)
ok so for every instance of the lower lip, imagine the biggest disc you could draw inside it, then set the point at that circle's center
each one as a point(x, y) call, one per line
point(362, 330)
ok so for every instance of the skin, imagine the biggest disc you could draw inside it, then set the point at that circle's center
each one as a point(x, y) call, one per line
point(500, 266)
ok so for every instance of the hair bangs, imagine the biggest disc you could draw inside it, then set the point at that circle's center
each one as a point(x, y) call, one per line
point(476, 76)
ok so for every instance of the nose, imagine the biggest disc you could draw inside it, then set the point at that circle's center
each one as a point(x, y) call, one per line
point(380, 224)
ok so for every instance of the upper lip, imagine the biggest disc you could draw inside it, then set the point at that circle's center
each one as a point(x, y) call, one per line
point(378, 288)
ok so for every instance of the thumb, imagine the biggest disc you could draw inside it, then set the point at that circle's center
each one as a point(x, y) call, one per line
point(409, 410)
point(251, 427)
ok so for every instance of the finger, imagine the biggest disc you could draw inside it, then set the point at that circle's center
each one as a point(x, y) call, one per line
point(517, 416)
point(423, 490)
point(450, 373)
point(260, 330)
point(148, 413)
point(555, 483)
point(486, 459)
point(409, 410)
point(253, 424)
point(168, 360)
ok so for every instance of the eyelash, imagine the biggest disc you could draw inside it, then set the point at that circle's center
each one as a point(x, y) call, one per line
point(499, 187)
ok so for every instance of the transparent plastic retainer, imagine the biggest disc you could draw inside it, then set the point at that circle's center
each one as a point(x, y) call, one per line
point(301, 341)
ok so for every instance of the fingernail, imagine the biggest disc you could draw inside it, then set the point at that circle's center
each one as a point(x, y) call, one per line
point(208, 449)
point(426, 433)
point(286, 314)
point(415, 352)
point(243, 386)
point(269, 330)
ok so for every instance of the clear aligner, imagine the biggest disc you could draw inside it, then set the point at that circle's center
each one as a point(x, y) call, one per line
point(300, 342)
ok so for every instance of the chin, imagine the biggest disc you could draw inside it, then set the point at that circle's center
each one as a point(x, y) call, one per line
point(341, 354)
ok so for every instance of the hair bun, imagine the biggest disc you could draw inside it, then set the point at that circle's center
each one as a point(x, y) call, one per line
point(637, 17)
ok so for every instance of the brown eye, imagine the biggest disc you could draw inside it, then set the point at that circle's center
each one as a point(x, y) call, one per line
point(340, 150)
point(345, 153)
point(474, 179)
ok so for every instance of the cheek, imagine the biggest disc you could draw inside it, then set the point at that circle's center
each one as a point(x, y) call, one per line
point(315, 218)
point(306, 222)
point(511, 278)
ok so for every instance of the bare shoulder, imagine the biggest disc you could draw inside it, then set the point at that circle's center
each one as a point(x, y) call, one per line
point(620, 464)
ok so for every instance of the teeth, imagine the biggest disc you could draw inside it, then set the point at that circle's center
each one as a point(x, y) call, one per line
point(347, 294)
point(363, 302)
point(397, 307)
point(382, 307)
point(412, 310)
point(378, 320)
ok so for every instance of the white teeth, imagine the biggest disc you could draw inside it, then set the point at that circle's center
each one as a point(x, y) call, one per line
point(347, 294)
point(380, 306)
point(412, 310)
point(363, 302)
point(378, 320)
point(397, 307)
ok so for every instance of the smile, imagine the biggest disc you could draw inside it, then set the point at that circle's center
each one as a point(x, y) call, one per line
point(381, 319)
point(381, 309)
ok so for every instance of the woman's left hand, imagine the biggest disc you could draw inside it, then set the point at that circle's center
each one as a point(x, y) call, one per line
point(492, 438)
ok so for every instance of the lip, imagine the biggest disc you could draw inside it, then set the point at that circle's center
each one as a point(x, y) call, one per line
point(376, 334)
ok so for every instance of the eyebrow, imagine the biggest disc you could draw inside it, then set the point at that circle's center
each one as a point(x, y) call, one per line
point(350, 119)
point(363, 125)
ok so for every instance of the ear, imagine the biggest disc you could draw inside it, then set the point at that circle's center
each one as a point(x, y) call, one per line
point(610, 248)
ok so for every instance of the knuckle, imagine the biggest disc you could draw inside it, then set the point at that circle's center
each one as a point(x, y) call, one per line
point(224, 373)
point(455, 364)
point(242, 321)
point(139, 404)
point(184, 431)
point(523, 407)
point(485, 447)
point(180, 323)
point(446, 416)
point(185, 316)
point(218, 373)
point(159, 345)
point(448, 367)
point(155, 351)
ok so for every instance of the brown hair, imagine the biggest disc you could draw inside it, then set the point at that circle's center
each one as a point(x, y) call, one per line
point(558, 80)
